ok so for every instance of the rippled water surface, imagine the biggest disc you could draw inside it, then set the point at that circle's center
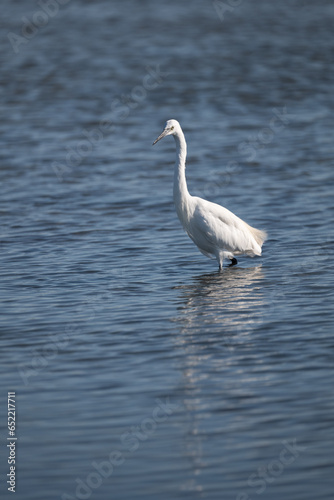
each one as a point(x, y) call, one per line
point(140, 372)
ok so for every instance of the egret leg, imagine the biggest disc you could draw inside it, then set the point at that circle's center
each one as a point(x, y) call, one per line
point(233, 262)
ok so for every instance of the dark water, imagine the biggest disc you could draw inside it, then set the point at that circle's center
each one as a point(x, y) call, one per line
point(123, 343)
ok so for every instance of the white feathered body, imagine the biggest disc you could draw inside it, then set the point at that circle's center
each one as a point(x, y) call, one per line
point(216, 231)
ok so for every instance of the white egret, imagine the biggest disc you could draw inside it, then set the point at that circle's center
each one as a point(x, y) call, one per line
point(217, 232)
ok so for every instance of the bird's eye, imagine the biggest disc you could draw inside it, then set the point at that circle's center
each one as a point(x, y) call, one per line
point(172, 127)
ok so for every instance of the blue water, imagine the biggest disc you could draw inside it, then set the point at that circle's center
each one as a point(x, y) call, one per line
point(140, 372)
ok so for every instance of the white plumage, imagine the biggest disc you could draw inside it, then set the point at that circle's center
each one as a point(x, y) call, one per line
point(216, 231)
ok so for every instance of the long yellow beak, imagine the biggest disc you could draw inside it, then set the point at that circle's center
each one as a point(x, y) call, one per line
point(161, 136)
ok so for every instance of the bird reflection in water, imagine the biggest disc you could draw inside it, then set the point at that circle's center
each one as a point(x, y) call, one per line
point(217, 314)
point(226, 303)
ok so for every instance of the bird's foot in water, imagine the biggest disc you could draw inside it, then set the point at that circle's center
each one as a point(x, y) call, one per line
point(233, 262)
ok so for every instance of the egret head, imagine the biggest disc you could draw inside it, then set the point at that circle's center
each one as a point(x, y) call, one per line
point(171, 128)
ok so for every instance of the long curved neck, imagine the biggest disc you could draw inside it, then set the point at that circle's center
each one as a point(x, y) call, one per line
point(180, 191)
